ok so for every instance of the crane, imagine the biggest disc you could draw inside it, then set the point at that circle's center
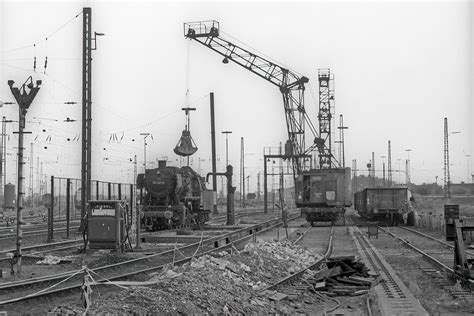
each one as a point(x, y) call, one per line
point(290, 84)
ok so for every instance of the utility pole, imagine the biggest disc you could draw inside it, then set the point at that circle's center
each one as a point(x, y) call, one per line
point(3, 164)
point(242, 173)
point(383, 170)
point(341, 129)
point(468, 176)
point(31, 176)
point(373, 169)
point(145, 135)
point(38, 178)
point(3, 174)
point(226, 146)
point(389, 164)
point(354, 175)
point(258, 186)
point(24, 100)
point(408, 168)
point(213, 149)
point(87, 48)
point(447, 182)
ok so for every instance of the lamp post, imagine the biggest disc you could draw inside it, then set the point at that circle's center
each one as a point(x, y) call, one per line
point(24, 100)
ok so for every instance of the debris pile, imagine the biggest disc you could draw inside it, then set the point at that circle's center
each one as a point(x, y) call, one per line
point(342, 276)
point(221, 283)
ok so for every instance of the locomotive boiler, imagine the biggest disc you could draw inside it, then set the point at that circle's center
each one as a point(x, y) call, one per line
point(173, 197)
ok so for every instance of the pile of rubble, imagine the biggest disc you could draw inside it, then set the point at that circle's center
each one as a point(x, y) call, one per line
point(222, 283)
point(342, 276)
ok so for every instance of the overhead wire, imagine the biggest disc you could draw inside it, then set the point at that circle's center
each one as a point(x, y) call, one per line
point(43, 38)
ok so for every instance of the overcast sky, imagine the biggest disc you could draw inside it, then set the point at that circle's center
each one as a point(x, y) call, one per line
point(400, 68)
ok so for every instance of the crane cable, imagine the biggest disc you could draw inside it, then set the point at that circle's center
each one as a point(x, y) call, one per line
point(188, 73)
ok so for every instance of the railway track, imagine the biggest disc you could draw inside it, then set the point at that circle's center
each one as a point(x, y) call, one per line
point(36, 250)
point(17, 291)
point(37, 233)
point(437, 255)
point(394, 298)
point(471, 253)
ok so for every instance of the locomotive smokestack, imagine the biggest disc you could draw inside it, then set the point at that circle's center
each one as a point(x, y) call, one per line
point(161, 164)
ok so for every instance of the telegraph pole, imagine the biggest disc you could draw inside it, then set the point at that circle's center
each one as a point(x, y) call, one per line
point(24, 100)
point(89, 43)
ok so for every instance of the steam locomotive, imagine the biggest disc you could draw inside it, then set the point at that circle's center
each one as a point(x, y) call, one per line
point(173, 197)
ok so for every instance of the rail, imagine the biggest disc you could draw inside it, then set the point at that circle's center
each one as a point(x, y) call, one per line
point(249, 232)
point(435, 239)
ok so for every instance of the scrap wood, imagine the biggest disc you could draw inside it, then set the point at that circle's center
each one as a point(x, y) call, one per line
point(278, 296)
point(361, 280)
point(349, 287)
point(343, 258)
point(335, 272)
point(361, 292)
point(349, 281)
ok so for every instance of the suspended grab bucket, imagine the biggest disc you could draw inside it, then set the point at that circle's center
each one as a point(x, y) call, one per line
point(185, 146)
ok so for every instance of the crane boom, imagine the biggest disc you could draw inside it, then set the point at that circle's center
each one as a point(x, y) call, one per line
point(290, 84)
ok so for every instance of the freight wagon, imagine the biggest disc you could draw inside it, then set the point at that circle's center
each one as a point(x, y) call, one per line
point(388, 204)
point(324, 194)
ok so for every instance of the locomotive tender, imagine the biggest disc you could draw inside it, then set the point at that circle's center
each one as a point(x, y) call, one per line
point(382, 203)
point(324, 194)
point(173, 197)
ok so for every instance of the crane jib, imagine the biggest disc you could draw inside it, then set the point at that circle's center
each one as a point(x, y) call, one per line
point(290, 84)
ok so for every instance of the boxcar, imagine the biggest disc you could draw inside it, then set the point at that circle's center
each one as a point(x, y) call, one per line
point(382, 203)
point(323, 194)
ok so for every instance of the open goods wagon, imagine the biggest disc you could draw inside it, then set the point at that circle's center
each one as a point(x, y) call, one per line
point(324, 194)
point(388, 204)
